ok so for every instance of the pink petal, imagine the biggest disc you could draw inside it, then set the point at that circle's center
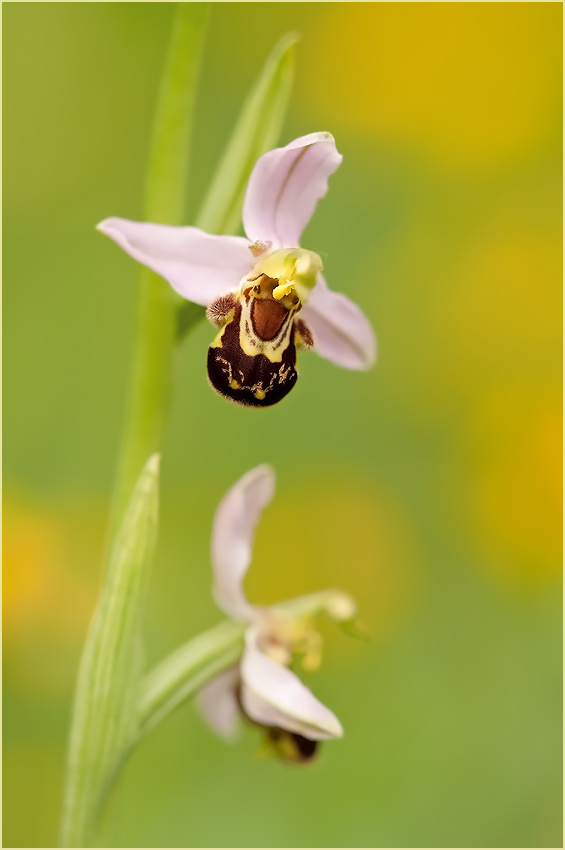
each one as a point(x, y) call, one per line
point(232, 539)
point(274, 696)
point(342, 333)
point(200, 267)
point(285, 186)
point(218, 703)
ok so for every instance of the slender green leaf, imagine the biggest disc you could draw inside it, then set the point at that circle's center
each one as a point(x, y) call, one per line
point(256, 132)
point(105, 718)
point(186, 670)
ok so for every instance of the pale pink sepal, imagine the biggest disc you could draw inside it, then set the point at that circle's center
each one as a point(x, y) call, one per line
point(274, 696)
point(285, 186)
point(232, 539)
point(218, 703)
point(341, 331)
point(198, 265)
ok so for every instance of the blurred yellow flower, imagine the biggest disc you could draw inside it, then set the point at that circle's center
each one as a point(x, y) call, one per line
point(345, 534)
point(469, 85)
point(514, 451)
point(31, 556)
point(49, 577)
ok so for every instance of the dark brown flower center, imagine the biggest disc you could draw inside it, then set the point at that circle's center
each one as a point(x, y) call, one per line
point(292, 747)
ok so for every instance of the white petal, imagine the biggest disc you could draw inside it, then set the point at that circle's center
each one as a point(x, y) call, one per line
point(341, 331)
point(274, 696)
point(232, 538)
point(218, 703)
point(199, 266)
point(285, 186)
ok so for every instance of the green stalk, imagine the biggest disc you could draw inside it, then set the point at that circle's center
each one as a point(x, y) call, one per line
point(104, 724)
point(113, 707)
point(157, 329)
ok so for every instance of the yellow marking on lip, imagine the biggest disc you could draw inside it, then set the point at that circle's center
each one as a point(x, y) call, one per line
point(217, 341)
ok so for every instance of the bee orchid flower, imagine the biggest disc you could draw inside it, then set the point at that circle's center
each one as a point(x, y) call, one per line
point(264, 293)
point(262, 687)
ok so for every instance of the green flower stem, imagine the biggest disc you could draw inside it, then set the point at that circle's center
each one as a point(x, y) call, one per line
point(157, 322)
point(163, 318)
point(184, 672)
point(113, 706)
point(104, 724)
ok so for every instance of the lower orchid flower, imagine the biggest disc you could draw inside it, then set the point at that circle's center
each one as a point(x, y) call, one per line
point(265, 293)
point(262, 687)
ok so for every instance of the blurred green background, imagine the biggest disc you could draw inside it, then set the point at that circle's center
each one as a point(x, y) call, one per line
point(429, 488)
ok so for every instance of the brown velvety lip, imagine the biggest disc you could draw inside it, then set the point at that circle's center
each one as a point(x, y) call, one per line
point(267, 317)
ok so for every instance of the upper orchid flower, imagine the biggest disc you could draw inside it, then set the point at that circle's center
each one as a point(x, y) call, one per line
point(262, 686)
point(254, 288)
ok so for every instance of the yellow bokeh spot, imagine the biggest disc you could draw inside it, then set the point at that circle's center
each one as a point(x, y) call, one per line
point(481, 359)
point(50, 575)
point(345, 535)
point(515, 510)
point(467, 84)
point(31, 555)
